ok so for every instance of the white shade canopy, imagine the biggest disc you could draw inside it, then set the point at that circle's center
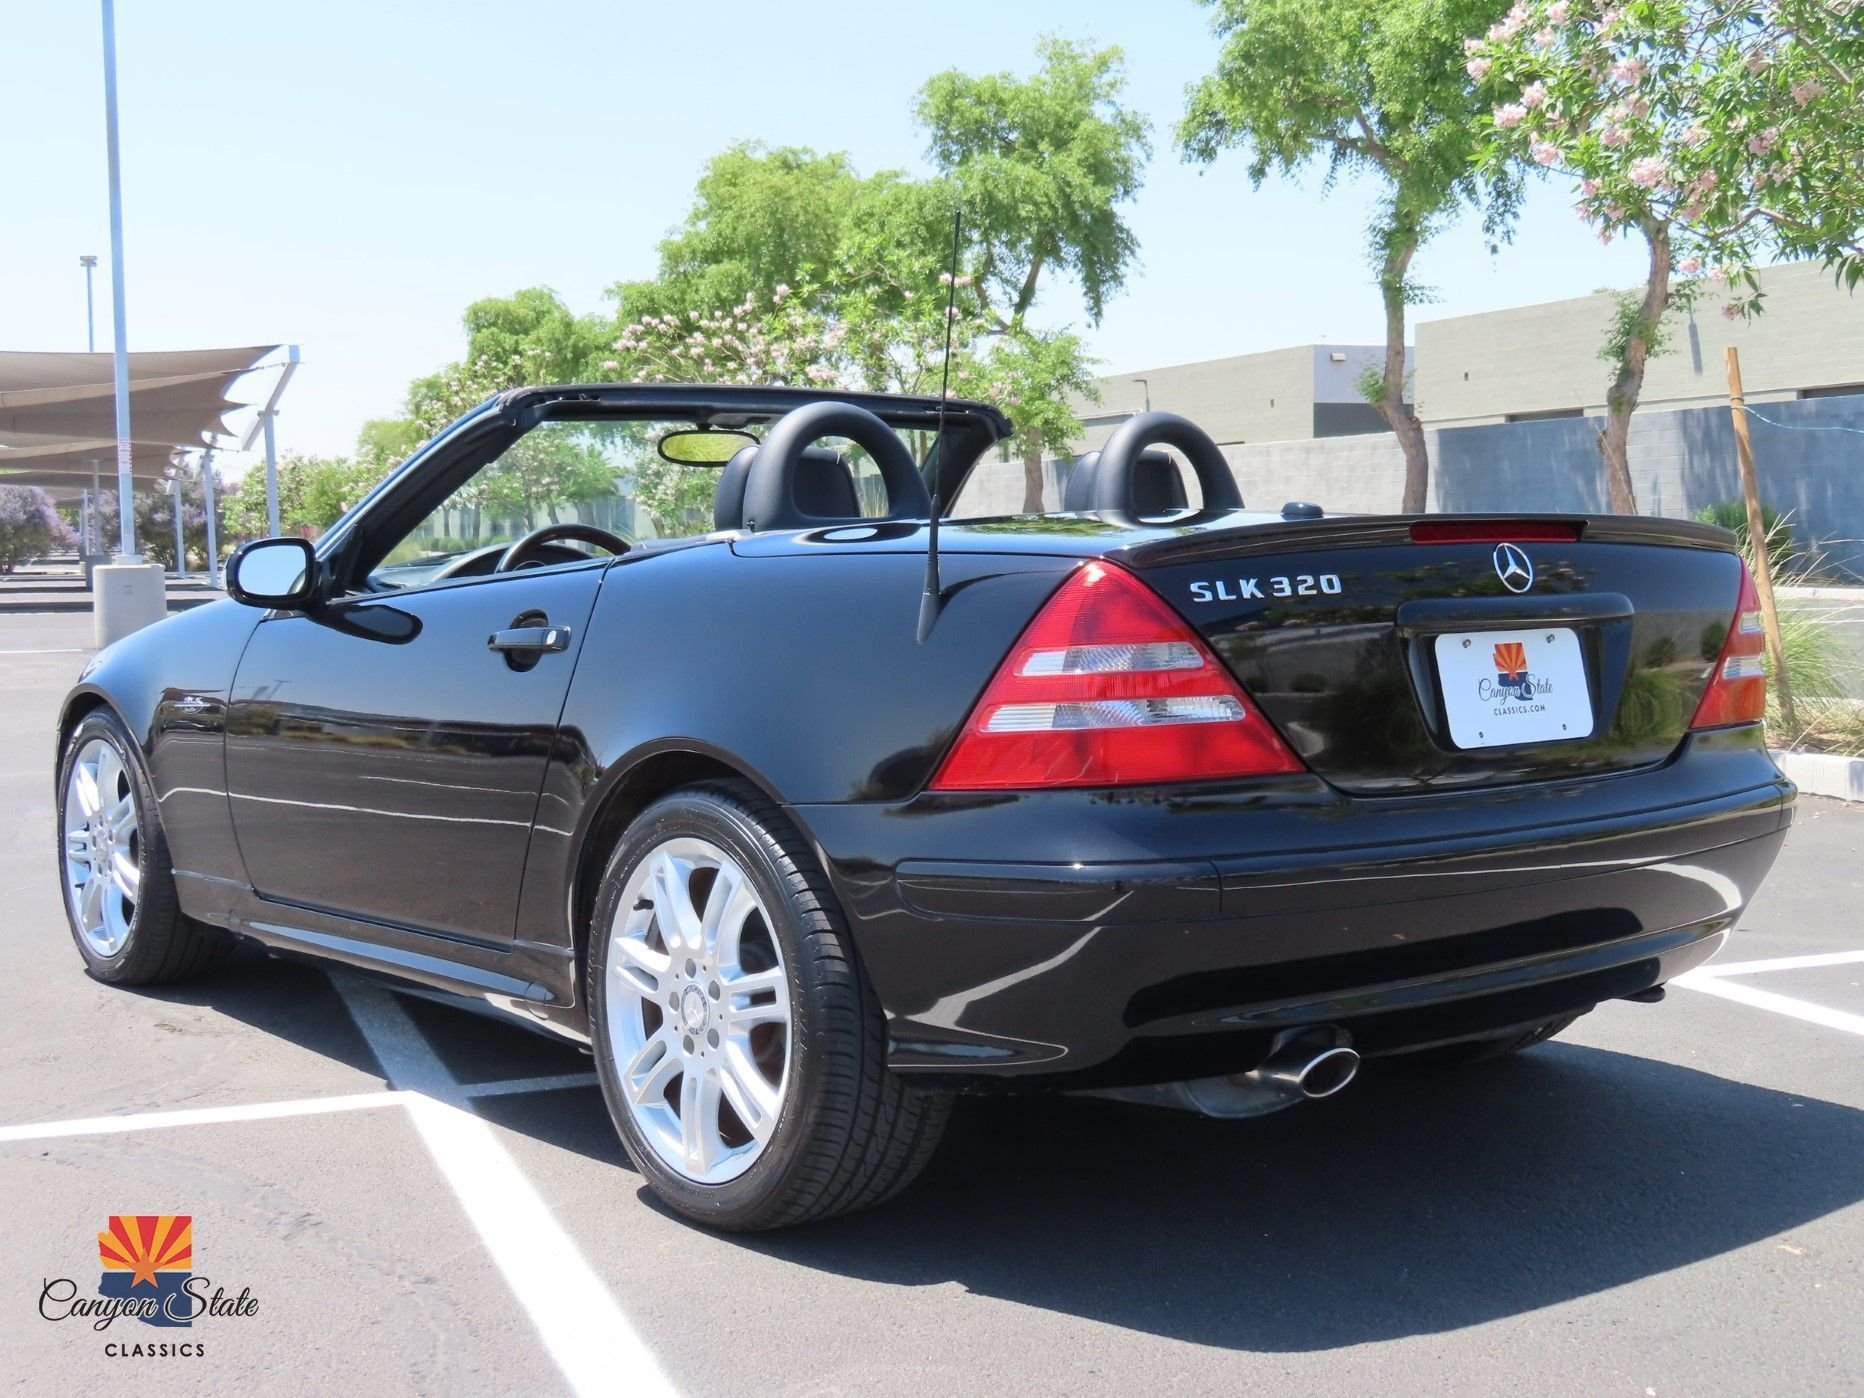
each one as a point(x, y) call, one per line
point(58, 412)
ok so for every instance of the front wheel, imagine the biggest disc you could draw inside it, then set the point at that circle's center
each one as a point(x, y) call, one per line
point(113, 864)
point(740, 1049)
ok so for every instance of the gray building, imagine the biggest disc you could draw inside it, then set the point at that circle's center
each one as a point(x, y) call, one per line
point(1537, 362)
point(1277, 396)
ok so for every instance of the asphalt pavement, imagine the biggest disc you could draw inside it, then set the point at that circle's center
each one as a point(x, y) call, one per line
point(1666, 1200)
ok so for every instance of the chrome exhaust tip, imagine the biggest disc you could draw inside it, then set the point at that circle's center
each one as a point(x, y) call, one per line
point(1305, 1065)
point(1314, 1075)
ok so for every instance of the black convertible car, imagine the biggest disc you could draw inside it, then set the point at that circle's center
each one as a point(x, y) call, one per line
point(637, 713)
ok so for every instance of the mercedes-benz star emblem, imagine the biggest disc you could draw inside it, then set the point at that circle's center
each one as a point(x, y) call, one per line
point(1514, 568)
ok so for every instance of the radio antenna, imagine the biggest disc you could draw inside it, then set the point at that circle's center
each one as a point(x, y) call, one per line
point(932, 597)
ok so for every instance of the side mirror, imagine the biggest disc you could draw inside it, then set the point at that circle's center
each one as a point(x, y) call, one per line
point(273, 573)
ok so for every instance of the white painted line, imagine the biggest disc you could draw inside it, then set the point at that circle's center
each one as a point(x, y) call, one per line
point(1767, 1000)
point(511, 1086)
point(199, 1116)
point(586, 1333)
point(61, 650)
point(1780, 963)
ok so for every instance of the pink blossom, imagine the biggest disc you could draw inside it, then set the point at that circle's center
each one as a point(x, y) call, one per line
point(1808, 90)
point(1689, 266)
point(1615, 136)
point(611, 365)
point(1546, 153)
point(1757, 62)
point(1761, 144)
point(1543, 38)
point(1472, 46)
point(1510, 116)
point(1605, 236)
point(1718, 274)
point(1694, 135)
point(1628, 70)
point(1478, 68)
point(1534, 95)
point(1590, 186)
point(1731, 311)
point(1647, 172)
point(1615, 212)
point(1559, 12)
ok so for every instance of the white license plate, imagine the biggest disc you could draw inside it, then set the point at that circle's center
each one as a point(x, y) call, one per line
point(1505, 687)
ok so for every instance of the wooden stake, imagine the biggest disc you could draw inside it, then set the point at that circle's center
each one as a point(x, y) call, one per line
point(1757, 537)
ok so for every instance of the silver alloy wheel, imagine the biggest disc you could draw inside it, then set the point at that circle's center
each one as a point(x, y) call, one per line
point(103, 865)
point(698, 1010)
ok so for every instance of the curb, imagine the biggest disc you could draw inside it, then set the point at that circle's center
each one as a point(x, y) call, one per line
point(82, 603)
point(1823, 774)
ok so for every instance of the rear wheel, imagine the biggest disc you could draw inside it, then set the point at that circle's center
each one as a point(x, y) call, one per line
point(740, 1049)
point(114, 867)
point(1487, 1050)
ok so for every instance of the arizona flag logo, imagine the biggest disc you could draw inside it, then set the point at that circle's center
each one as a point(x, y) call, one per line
point(149, 1256)
point(1511, 664)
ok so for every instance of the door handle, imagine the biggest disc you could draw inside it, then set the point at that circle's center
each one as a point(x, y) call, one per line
point(529, 640)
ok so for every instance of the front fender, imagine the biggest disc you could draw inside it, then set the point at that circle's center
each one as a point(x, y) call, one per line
point(169, 684)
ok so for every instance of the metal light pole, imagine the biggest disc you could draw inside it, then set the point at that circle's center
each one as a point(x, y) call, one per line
point(88, 261)
point(1147, 385)
point(213, 526)
point(175, 500)
point(126, 486)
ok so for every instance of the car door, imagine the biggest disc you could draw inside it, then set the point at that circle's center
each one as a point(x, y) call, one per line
point(384, 756)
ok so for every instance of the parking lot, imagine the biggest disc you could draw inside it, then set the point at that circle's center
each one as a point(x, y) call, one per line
point(1667, 1200)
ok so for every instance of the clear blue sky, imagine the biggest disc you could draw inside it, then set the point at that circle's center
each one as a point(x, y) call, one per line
point(350, 175)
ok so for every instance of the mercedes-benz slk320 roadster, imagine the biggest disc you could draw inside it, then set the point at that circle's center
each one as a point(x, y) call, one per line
point(636, 712)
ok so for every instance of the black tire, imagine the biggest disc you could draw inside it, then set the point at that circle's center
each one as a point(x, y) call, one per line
point(163, 944)
point(848, 1132)
point(1487, 1050)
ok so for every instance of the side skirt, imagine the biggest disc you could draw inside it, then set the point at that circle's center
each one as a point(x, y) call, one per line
point(533, 984)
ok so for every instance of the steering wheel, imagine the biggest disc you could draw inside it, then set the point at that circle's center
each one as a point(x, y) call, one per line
point(521, 550)
point(769, 489)
point(1113, 479)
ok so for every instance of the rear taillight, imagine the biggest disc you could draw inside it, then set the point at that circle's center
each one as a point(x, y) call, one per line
point(1737, 691)
point(1109, 687)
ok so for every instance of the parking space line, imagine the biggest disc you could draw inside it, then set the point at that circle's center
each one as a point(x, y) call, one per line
point(1781, 963)
point(60, 650)
point(199, 1116)
point(1768, 1000)
point(556, 1082)
point(586, 1333)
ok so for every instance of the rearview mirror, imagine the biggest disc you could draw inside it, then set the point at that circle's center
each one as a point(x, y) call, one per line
point(703, 446)
point(272, 573)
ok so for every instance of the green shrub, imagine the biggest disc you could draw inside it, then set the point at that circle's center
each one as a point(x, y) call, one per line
point(1732, 515)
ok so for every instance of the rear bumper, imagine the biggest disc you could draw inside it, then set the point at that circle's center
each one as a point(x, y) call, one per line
point(1086, 938)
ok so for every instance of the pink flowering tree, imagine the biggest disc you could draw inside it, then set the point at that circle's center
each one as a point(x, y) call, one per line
point(1721, 132)
point(29, 526)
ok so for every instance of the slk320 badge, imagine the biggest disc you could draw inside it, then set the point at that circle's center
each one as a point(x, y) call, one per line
point(1238, 589)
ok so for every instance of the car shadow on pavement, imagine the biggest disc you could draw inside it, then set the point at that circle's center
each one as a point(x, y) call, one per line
point(1417, 1203)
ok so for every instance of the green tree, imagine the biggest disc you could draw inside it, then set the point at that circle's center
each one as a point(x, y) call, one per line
point(1042, 166)
point(1372, 87)
point(1719, 131)
point(313, 493)
point(760, 219)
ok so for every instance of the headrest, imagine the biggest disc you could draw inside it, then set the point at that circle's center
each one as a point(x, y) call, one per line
point(824, 487)
point(1158, 485)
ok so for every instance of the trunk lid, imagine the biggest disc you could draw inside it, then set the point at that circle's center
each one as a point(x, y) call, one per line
point(1484, 651)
